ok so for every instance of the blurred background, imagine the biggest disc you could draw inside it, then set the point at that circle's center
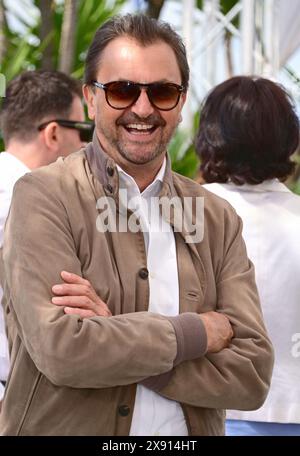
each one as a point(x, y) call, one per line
point(223, 38)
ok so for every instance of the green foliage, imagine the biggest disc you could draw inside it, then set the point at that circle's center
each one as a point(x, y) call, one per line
point(295, 187)
point(25, 51)
point(226, 6)
point(90, 16)
point(182, 151)
point(21, 53)
point(183, 156)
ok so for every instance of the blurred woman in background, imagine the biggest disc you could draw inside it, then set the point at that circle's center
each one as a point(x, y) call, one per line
point(247, 134)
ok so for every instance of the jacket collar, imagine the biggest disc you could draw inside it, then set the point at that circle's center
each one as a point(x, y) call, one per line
point(105, 170)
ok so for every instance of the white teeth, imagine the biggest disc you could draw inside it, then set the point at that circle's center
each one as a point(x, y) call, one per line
point(140, 126)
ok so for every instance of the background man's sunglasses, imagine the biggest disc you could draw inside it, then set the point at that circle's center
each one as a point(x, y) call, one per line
point(123, 94)
point(85, 129)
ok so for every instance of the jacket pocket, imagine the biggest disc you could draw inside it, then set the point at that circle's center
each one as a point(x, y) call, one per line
point(193, 295)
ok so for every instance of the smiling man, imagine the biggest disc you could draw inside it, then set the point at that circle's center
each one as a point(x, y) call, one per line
point(137, 134)
point(151, 334)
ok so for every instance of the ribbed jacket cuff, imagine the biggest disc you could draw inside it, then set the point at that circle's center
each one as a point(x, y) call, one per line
point(191, 344)
point(191, 336)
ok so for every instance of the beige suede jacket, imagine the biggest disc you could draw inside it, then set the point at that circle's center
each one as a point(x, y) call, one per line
point(78, 377)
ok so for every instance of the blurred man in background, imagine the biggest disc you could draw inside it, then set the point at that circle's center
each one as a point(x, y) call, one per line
point(42, 117)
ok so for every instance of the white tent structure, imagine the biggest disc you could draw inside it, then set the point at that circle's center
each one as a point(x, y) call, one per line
point(269, 32)
point(267, 35)
point(289, 29)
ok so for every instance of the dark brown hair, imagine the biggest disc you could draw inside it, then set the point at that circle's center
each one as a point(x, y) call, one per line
point(145, 31)
point(32, 97)
point(248, 131)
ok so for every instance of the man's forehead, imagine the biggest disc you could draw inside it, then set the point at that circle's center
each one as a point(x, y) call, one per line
point(126, 58)
point(131, 42)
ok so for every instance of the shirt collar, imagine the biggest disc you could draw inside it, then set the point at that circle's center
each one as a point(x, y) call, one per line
point(16, 162)
point(127, 181)
point(272, 185)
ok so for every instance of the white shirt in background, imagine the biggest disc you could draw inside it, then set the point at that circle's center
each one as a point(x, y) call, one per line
point(271, 220)
point(11, 169)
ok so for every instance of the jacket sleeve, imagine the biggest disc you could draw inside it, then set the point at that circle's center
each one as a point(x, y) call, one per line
point(237, 377)
point(92, 353)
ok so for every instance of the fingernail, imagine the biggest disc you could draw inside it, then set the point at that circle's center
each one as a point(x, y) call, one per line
point(57, 288)
point(56, 300)
point(66, 273)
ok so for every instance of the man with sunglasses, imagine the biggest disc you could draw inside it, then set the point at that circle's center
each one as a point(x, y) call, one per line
point(41, 118)
point(138, 339)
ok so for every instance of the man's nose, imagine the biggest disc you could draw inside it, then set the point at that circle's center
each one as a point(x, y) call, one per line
point(142, 107)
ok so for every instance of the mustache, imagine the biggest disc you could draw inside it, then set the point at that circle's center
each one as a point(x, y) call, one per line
point(131, 118)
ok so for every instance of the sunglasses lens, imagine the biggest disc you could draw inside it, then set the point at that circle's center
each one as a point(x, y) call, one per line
point(86, 135)
point(164, 96)
point(122, 94)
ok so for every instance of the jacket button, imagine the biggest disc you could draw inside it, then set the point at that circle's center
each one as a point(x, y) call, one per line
point(110, 171)
point(109, 188)
point(143, 273)
point(124, 410)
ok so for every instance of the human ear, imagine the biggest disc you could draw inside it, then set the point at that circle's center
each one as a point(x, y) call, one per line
point(90, 99)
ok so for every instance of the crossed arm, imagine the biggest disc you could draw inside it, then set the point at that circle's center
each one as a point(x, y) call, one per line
point(128, 348)
point(77, 297)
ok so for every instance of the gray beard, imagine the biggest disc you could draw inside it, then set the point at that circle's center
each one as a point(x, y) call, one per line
point(141, 160)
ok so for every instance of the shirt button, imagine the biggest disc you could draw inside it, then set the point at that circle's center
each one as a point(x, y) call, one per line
point(143, 273)
point(124, 410)
point(110, 171)
point(109, 188)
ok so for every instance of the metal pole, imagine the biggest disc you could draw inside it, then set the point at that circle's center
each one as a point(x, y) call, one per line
point(271, 38)
point(248, 35)
point(259, 37)
point(187, 31)
point(210, 8)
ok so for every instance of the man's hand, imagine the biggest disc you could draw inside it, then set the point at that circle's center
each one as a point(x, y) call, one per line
point(218, 329)
point(78, 297)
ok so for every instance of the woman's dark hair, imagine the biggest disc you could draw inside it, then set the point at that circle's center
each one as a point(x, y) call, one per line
point(248, 131)
point(145, 31)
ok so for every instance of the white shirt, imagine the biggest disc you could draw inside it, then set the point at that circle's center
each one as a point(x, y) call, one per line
point(11, 169)
point(153, 414)
point(271, 218)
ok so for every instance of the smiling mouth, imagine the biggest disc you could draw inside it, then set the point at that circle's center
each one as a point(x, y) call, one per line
point(140, 129)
